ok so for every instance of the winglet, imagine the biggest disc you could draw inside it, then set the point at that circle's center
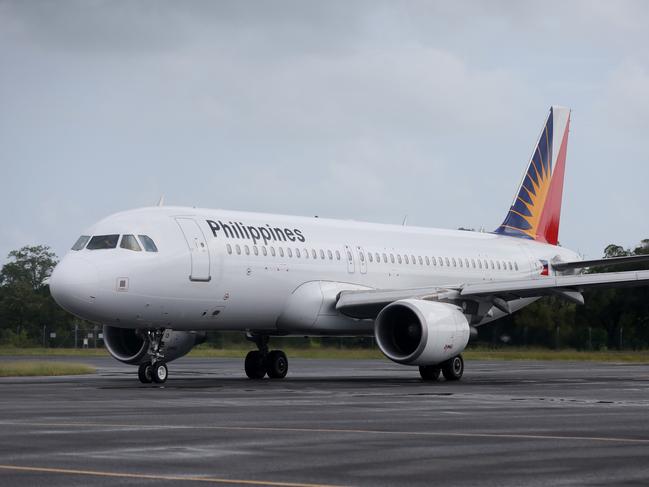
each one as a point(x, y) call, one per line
point(536, 210)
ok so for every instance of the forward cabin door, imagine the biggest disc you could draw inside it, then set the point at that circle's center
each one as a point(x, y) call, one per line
point(198, 249)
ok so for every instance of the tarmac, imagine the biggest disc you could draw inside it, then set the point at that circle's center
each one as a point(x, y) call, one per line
point(329, 423)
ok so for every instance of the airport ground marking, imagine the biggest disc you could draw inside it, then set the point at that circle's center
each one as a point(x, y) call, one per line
point(279, 429)
point(174, 478)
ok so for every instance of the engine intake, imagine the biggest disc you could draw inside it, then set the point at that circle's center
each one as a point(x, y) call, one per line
point(417, 332)
point(132, 346)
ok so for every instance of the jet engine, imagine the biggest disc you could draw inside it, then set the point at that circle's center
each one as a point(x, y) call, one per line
point(417, 332)
point(132, 346)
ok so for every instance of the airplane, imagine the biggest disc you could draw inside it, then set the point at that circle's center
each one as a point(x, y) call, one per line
point(158, 278)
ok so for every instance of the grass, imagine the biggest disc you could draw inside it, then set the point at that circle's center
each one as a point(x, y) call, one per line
point(25, 368)
point(238, 351)
point(52, 352)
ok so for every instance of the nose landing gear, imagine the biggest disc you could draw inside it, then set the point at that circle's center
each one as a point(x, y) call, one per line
point(262, 362)
point(156, 370)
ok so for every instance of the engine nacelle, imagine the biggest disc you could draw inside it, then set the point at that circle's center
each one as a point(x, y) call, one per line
point(132, 346)
point(417, 332)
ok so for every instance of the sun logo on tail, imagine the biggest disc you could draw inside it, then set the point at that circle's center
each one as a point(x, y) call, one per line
point(536, 209)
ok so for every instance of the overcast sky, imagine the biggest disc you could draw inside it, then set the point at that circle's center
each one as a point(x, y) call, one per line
point(361, 110)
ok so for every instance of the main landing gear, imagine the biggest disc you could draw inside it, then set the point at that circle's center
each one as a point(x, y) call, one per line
point(155, 370)
point(261, 362)
point(452, 369)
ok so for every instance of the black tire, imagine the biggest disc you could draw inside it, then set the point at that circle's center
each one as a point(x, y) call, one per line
point(159, 372)
point(276, 364)
point(453, 369)
point(430, 372)
point(254, 365)
point(144, 373)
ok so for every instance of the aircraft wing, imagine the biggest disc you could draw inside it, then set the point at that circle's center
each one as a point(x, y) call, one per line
point(582, 264)
point(367, 304)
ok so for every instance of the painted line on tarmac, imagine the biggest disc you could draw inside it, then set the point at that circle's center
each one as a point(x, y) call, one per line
point(279, 429)
point(174, 478)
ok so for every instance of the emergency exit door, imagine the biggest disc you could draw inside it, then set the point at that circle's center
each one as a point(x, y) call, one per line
point(198, 250)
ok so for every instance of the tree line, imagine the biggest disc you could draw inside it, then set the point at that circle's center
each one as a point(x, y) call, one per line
point(611, 319)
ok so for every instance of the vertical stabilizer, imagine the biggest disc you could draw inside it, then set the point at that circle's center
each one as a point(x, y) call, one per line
point(536, 210)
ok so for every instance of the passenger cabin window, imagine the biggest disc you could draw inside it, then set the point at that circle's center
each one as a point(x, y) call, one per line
point(81, 242)
point(281, 251)
point(246, 249)
point(289, 252)
point(238, 249)
point(229, 247)
point(370, 257)
point(516, 265)
point(255, 249)
point(322, 254)
point(100, 242)
point(427, 261)
point(129, 242)
point(330, 255)
point(264, 251)
point(297, 253)
point(148, 244)
point(337, 255)
point(272, 251)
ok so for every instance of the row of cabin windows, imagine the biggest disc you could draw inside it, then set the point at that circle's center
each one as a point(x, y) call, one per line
point(289, 252)
point(376, 257)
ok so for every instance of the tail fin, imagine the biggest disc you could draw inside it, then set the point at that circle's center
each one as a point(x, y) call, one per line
point(536, 210)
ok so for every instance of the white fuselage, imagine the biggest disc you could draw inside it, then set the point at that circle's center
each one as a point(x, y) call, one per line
point(279, 274)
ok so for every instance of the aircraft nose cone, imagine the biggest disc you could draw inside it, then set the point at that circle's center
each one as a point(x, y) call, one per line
point(74, 284)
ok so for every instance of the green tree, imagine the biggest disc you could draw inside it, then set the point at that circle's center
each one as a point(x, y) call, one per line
point(25, 301)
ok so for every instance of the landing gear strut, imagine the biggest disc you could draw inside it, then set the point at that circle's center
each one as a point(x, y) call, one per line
point(155, 370)
point(452, 369)
point(261, 362)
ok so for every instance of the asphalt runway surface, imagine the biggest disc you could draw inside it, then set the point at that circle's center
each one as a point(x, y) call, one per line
point(331, 423)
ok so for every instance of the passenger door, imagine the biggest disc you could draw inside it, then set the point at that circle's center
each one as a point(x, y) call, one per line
point(361, 259)
point(349, 255)
point(198, 249)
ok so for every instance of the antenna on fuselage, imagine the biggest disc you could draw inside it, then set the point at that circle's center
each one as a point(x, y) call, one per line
point(405, 221)
point(161, 201)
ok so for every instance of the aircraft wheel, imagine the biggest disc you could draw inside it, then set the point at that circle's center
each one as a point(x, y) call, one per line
point(429, 372)
point(159, 373)
point(144, 373)
point(453, 369)
point(276, 364)
point(254, 365)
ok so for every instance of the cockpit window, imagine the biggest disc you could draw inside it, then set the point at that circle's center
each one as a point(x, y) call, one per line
point(149, 246)
point(130, 242)
point(103, 242)
point(81, 242)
